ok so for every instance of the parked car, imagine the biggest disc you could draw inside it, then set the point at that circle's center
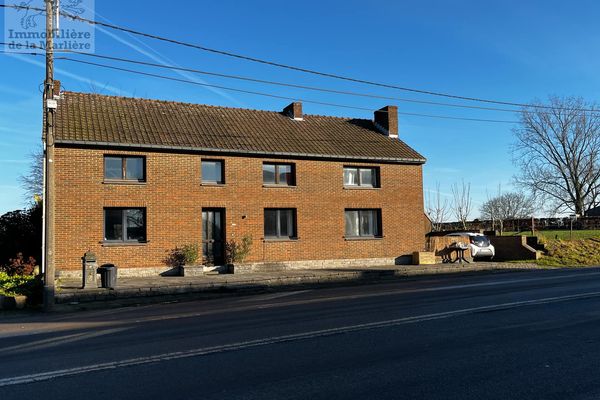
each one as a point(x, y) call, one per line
point(478, 243)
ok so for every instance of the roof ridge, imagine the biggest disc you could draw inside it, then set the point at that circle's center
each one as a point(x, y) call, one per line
point(203, 105)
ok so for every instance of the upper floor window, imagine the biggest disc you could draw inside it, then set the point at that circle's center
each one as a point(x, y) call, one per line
point(125, 224)
point(279, 174)
point(126, 168)
point(363, 223)
point(280, 223)
point(361, 177)
point(213, 172)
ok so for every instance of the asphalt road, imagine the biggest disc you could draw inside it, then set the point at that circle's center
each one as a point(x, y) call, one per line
point(526, 335)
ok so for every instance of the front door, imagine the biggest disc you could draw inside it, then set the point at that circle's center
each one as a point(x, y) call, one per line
point(213, 235)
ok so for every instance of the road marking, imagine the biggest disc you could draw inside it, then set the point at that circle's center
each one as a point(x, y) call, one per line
point(44, 376)
point(273, 296)
point(350, 297)
point(57, 341)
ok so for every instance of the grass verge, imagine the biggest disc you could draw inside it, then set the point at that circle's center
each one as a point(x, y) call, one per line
point(571, 253)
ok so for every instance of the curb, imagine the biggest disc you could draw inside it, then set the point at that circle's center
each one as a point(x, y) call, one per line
point(103, 298)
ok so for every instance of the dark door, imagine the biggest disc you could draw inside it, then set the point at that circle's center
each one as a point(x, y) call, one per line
point(213, 235)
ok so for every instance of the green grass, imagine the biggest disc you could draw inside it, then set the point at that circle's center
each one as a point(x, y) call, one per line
point(560, 234)
point(563, 250)
point(571, 253)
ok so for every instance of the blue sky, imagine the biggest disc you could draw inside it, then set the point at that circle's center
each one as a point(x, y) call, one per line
point(511, 50)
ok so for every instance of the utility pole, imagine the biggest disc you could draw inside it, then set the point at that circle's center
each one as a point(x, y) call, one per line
point(48, 139)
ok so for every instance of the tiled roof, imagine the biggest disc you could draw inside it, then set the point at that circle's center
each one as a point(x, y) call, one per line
point(83, 118)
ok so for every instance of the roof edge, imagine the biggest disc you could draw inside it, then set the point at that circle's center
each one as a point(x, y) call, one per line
point(418, 161)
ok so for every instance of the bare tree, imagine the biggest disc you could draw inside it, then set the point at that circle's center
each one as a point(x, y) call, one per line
point(33, 181)
point(437, 208)
point(505, 206)
point(461, 202)
point(96, 88)
point(558, 152)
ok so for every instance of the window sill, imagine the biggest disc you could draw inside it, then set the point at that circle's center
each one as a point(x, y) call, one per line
point(361, 188)
point(123, 182)
point(106, 243)
point(354, 238)
point(212, 184)
point(268, 185)
point(281, 239)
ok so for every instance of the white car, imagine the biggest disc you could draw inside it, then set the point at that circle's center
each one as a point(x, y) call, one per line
point(478, 243)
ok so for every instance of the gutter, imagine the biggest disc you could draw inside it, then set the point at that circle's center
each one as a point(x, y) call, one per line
point(237, 152)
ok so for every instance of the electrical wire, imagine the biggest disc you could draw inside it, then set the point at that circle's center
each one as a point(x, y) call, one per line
point(276, 83)
point(250, 79)
point(291, 67)
point(274, 96)
point(309, 101)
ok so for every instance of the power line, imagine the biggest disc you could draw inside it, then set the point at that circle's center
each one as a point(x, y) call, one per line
point(249, 79)
point(287, 84)
point(273, 95)
point(291, 67)
point(259, 93)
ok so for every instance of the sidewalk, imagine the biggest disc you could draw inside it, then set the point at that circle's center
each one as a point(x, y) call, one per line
point(131, 291)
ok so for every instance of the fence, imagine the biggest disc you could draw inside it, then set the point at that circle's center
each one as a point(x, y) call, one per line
point(520, 225)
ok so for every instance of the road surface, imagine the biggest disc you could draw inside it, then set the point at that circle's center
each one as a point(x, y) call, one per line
point(524, 335)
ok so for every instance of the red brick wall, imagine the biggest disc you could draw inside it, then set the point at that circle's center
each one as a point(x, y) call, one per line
point(174, 198)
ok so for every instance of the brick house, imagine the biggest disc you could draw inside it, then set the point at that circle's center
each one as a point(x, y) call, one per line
point(136, 178)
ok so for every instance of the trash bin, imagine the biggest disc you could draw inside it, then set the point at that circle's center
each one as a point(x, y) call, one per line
point(108, 276)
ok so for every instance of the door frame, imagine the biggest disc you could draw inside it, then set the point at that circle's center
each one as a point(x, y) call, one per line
point(221, 259)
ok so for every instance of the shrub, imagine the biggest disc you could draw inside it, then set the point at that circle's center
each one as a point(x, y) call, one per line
point(20, 266)
point(174, 258)
point(185, 255)
point(190, 253)
point(237, 252)
point(15, 285)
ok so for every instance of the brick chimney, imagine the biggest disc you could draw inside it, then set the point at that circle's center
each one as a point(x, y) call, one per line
point(294, 111)
point(56, 91)
point(386, 120)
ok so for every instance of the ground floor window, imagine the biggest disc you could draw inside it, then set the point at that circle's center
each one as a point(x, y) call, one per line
point(280, 223)
point(125, 224)
point(363, 223)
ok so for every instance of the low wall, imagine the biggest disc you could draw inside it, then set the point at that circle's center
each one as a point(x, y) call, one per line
point(260, 267)
point(125, 272)
point(439, 245)
point(321, 264)
point(511, 248)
